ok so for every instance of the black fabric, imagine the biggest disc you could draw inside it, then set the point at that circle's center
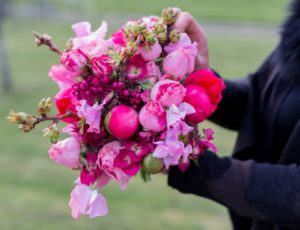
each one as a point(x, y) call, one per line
point(258, 194)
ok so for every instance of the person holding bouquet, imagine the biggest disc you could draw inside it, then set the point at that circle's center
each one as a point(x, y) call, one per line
point(260, 184)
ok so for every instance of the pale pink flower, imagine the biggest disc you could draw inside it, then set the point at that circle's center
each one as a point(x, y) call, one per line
point(183, 43)
point(168, 92)
point(153, 116)
point(66, 152)
point(153, 70)
point(150, 53)
point(175, 114)
point(74, 60)
point(63, 77)
point(179, 63)
point(92, 43)
point(85, 201)
point(106, 158)
point(150, 21)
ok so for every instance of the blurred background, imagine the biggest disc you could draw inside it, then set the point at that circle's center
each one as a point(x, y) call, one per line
point(34, 191)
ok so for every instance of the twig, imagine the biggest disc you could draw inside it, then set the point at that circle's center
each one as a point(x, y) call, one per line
point(45, 39)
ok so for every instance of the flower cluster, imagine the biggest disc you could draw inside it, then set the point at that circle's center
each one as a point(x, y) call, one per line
point(131, 103)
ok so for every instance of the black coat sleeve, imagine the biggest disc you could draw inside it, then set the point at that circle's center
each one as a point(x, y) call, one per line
point(260, 191)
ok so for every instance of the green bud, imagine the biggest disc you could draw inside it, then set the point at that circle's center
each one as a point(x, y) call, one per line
point(152, 164)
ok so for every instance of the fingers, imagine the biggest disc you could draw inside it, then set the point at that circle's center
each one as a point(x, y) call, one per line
point(186, 23)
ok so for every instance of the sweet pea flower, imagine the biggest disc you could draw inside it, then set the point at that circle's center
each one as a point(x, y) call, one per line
point(168, 92)
point(92, 114)
point(89, 175)
point(74, 60)
point(63, 77)
point(66, 152)
point(150, 53)
point(175, 114)
point(128, 161)
point(153, 116)
point(85, 201)
point(92, 43)
point(117, 40)
point(105, 162)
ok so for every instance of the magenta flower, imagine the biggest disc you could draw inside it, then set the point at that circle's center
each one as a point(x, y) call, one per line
point(74, 60)
point(102, 65)
point(118, 39)
point(105, 162)
point(137, 68)
point(89, 175)
point(63, 77)
point(168, 92)
point(128, 161)
point(140, 149)
point(85, 201)
point(92, 43)
point(153, 116)
point(150, 53)
point(66, 152)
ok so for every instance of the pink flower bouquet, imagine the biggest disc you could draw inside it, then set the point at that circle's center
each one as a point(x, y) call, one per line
point(131, 103)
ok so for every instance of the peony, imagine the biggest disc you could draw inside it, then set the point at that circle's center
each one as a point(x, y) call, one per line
point(74, 60)
point(168, 92)
point(122, 122)
point(102, 65)
point(153, 116)
point(212, 84)
point(87, 202)
point(198, 98)
point(66, 152)
point(179, 63)
point(150, 53)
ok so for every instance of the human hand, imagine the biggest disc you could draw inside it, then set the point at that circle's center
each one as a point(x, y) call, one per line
point(186, 23)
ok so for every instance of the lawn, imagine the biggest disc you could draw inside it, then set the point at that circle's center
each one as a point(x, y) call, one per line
point(34, 192)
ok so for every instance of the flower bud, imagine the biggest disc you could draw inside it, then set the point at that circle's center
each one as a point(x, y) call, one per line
point(44, 106)
point(52, 132)
point(152, 164)
point(175, 36)
point(162, 37)
point(169, 15)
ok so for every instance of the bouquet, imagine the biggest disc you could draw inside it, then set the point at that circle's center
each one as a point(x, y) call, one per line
point(131, 103)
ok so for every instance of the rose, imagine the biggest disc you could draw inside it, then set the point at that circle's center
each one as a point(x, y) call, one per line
point(87, 202)
point(102, 65)
point(198, 98)
point(66, 102)
point(66, 152)
point(150, 53)
point(168, 92)
point(122, 122)
point(74, 60)
point(153, 116)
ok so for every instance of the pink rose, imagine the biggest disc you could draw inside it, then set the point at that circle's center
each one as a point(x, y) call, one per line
point(153, 116)
point(198, 98)
point(87, 202)
point(66, 152)
point(151, 53)
point(102, 65)
point(168, 92)
point(179, 63)
point(74, 60)
point(63, 77)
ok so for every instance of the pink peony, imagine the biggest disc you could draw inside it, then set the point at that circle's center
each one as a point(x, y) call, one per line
point(179, 63)
point(74, 60)
point(63, 77)
point(153, 116)
point(122, 122)
point(102, 65)
point(66, 152)
point(85, 201)
point(105, 162)
point(66, 102)
point(168, 92)
point(198, 98)
point(212, 84)
point(92, 43)
point(136, 68)
point(150, 53)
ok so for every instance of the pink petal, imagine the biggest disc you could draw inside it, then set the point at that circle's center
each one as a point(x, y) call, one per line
point(82, 29)
point(99, 207)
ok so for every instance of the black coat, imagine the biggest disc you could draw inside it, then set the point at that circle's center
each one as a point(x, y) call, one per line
point(262, 192)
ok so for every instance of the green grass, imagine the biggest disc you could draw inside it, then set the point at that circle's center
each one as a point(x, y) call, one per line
point(34, 191)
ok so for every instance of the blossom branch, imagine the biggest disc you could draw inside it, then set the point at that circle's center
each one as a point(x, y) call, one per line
point(45, 39)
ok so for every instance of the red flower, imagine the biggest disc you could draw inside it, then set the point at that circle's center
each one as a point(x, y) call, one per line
point(212, 84)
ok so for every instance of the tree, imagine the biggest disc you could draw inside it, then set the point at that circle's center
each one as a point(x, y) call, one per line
point(4, 66)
